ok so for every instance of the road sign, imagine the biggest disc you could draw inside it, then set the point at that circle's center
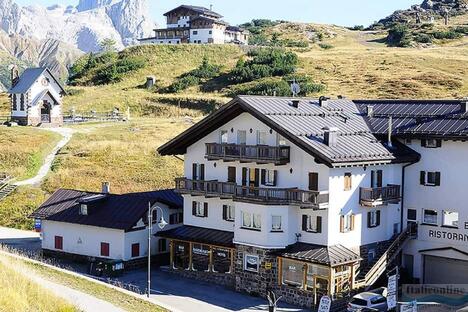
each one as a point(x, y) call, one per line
point(37, 225)
point(325, 304)
point(392, 291)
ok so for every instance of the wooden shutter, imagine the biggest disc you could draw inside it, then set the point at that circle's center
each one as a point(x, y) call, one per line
point(423, 143)
point(59, 242)
point(304, 222)
point(194, 172)
point(205, 210)
point(194, 208)
point(257, 177)
point(202, 172)
point(232, 174)
point(378, 217)
point(171, 219)
point(181, 217)
point(319, 224)
point(313, 181)
point(105, 249)
point(263, 176)
point(369, 219)
point(379, 178)
point(342, 224)
point(352, 222)
point(372, 178)
point(225, 212)
point(422, 178)
point(439, 143)
point(275, 177)
point(244, 176)
point(437, 178)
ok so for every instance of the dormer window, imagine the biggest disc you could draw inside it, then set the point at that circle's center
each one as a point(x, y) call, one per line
point(84, 210)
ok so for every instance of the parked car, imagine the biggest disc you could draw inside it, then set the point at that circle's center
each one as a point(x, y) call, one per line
point(373, 300)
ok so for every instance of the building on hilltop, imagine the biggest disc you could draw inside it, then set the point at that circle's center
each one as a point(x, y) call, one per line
point(311, 197)
point(36, 97)
point(194, 24)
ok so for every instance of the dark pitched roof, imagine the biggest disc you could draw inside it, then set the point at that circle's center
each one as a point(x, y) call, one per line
point(200, 235)
point(304, 126)
point(206, 18)
point(115, 211)
point(417, 118)
point(198, 9)
point(331, 255)
point(237, 29)
point(29, 77)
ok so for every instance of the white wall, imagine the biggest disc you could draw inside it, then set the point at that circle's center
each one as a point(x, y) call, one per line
point(204, 34)
point(451, 161)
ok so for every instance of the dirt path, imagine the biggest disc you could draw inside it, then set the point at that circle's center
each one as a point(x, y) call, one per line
point(67, 134)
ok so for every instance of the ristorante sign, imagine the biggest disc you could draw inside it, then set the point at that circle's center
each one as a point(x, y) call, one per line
point(448, 235)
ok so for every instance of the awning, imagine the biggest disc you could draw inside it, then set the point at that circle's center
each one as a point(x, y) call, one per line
point(328, 255)
point(200, 235)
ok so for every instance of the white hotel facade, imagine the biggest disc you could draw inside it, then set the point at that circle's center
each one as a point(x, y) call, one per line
point(311, 197)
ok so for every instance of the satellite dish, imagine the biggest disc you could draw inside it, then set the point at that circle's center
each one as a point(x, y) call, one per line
point(295, 88)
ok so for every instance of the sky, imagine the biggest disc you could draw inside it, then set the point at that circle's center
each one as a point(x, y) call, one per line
point(339, 12)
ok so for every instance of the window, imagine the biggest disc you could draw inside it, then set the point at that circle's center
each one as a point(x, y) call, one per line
point(376, 178)
point(430, 178)
point(59, 242)
point(346, 223)
point(241, 137)
point(276, 224)
point(83, 209)
point(431, 143)
point(411, 215)
point(200, 209)
point(210, 32)
point(269, 177)
point(15, 105)
point(251, 263)
point(135, 250)
point(429, 216)
point(195, 32)
point(229, 213)
point(198, 172)
point(223, 136)
point(293, 273)
point(281, 141)
point(105, 249)
point(373, 219)
point(312, 224)
point(162, 245)
point(313, 181)
point(251, 221)
point(450, 218)
point(22, 102)
point(175, 218)
point(231, 174)
point(347, 181)
point(261, 137)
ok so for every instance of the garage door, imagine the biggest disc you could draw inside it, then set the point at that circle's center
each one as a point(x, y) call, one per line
point(438, 270)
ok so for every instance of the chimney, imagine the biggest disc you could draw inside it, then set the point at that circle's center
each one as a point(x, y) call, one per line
point(14, 75)
point(390, 126)
point(295, 103)
point(323, 101)
point(105, 188)
point(370, 111)
point(211, 7)
point(330, 136)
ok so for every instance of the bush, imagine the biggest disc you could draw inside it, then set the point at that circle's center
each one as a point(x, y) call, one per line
point(423, 38)
point(399, 36)
point(115, 71)
point(264, 63)
point(183, 83)
point(449, 34)
point(325, 46)
point(203, 72)
point(461, 30)
point(357, 27)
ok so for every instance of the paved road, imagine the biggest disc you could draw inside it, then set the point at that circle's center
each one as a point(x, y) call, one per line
point(181, 294)
point(67, 134)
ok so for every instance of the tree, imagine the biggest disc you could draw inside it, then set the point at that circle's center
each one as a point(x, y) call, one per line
point(399, 36)
point(108, 45)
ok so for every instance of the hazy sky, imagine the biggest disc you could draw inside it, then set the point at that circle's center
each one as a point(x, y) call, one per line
point(340, 12)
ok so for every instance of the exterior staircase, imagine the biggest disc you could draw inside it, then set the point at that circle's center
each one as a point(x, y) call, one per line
point(5, 187)
point(372, 272)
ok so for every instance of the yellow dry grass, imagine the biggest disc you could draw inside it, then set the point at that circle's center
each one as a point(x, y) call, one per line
point(20, 294)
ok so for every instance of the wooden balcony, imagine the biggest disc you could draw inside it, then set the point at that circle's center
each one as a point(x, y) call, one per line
point(378, 196)
point(258, 195)
point(261, 154)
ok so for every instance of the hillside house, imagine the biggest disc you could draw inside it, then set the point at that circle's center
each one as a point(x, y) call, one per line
point(36, 97)
point(86, 225)
point(194, 24)
point(311, 197)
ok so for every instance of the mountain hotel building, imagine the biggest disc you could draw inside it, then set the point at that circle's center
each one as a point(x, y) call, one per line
point(309, 197)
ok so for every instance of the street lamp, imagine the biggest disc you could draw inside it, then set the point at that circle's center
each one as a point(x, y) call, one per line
point(161, 224)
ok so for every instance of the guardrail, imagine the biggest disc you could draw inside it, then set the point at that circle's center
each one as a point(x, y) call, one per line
point(379, 195)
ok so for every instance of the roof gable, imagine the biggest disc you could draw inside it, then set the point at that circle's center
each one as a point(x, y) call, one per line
point(303, 126)
point(29, 77)
point(197, 9)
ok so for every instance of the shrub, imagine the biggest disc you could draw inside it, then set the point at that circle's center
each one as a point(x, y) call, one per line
point(399, 36)
point(325, 46)
point(115, 71)
point(449, 34)
point(461, 30)
point(183, 83)
point(423, 38)
point(203, 72)
point(357, 27)
point(264, 63)
point(206, 70)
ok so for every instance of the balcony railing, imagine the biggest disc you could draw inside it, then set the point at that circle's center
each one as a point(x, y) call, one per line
point(378, 196)
point(271, 196)
point(278, 155)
